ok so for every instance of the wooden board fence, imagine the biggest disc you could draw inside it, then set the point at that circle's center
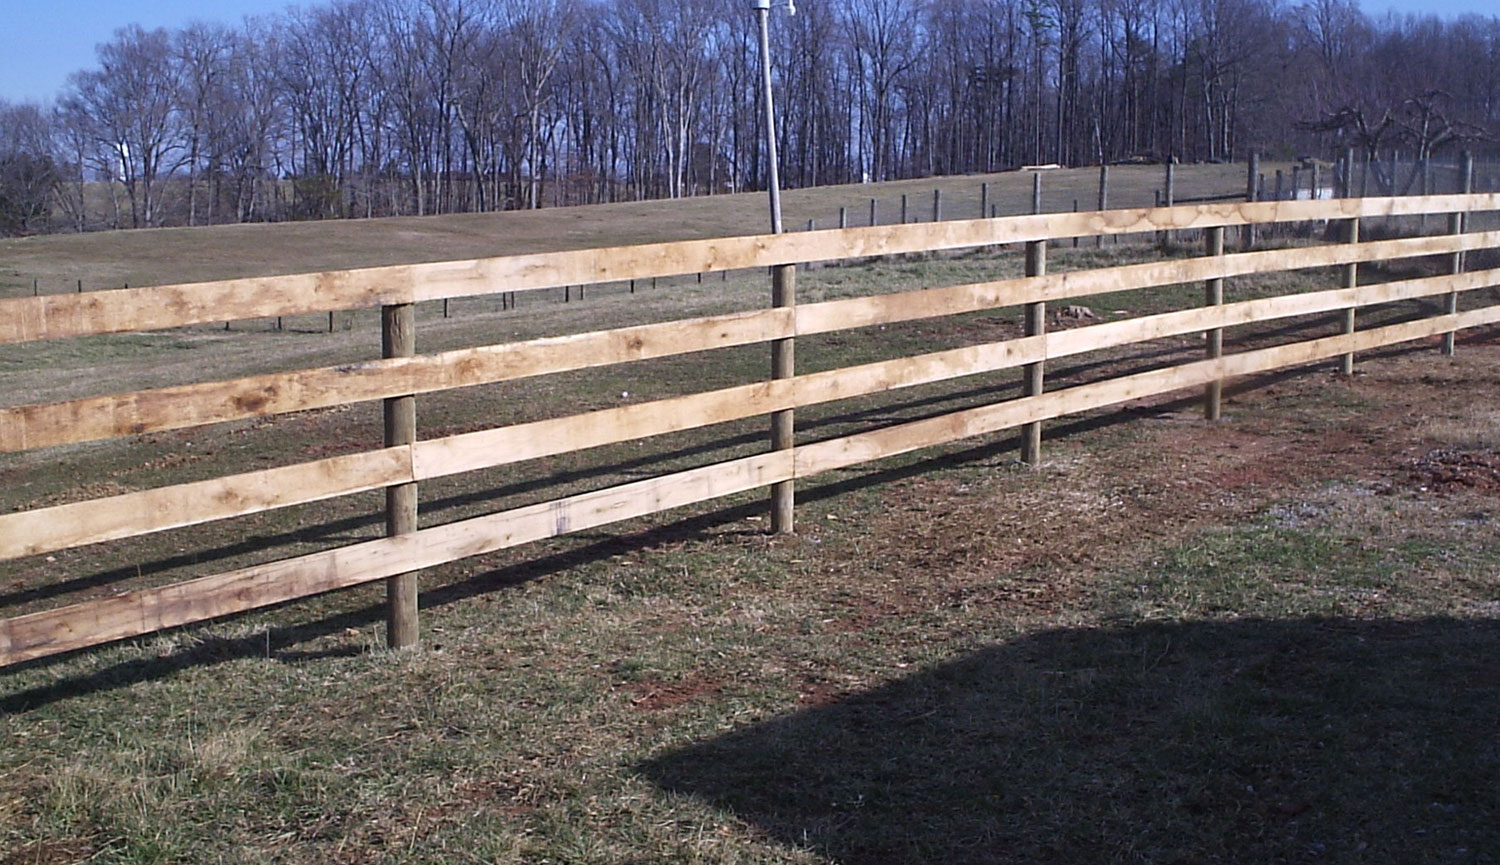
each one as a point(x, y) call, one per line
point(408, 461)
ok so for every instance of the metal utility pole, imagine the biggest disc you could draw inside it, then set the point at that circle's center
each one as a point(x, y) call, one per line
point(773, 178)
point(783, 281)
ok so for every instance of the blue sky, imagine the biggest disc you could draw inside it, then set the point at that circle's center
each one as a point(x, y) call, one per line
point(41, 41)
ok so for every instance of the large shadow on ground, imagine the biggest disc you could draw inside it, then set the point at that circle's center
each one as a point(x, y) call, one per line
point(1249, 741)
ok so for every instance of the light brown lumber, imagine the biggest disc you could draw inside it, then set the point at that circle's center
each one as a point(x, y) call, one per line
point(91, 418)
point(1035, 324)
point(973, 297)
point(1456, 225)
point(505, 445)
point(1178, 322)
point(41, 634)
point(903, 438)
point(51, 529)
point(141, 612)
point(783, 422)
point(511, 444)
point(880, 376)
point(43, 425)
point(1213, 295)
point(546, 270)
point(398, 338)
point(48, 529)
point(1349, 278)
point(61, 316)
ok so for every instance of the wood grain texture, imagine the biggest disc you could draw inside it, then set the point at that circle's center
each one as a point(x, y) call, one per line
point(520, 442)
point(974, 297)
point(48, 529)
point(91, 418)
point(142, 612)
point(903, 438)
point(81, 625)
point(60, 316)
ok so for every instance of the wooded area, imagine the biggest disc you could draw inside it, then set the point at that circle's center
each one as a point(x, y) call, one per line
point(406, 460)
point(391, 107)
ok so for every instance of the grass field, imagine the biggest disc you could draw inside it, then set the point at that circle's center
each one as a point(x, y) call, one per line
point(159, 256)
point(1269, 639)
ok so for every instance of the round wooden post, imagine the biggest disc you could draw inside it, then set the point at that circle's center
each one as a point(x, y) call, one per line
point(937, 205)
point(783, 365)
point(903, 209)
point(1350, 280)
point(1456, 226)
point(1103, 199)
point(1168, 195)
point(398, 338)
point(1213, 295)
point(984, 200)
point(874, 212)
point(1252, 193)
point(1032, 382)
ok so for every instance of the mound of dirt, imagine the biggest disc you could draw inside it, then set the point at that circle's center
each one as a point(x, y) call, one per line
point(1443, 470)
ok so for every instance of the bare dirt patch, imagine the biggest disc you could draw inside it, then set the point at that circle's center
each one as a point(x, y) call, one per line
point(1443, 471)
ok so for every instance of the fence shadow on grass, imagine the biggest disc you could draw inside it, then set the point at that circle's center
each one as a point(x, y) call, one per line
point(1248, 741)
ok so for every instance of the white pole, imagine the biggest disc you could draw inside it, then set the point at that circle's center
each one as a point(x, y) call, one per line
point(763, 13)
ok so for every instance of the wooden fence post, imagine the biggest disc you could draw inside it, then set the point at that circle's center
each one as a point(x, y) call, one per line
point(1456, 226)
point(1103, 199)
point(937, 205)
point(984, 200)
point(874, 212)
point(1426, 168)
point(398, 338)
point(1252, 193)
point(1213, 295)
point(903, 208)
point(843, 218)
point(1032, 382)
point(1168, 196)
point(1350, 280)
point(783, 365)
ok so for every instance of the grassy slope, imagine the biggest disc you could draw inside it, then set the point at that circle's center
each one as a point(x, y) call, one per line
point(159, 256)
point(1264, 640)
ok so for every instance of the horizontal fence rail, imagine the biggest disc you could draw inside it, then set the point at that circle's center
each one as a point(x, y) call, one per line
point(124, 310)
point(43, 425)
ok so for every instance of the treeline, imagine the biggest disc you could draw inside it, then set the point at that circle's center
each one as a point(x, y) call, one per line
point(383, 107)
